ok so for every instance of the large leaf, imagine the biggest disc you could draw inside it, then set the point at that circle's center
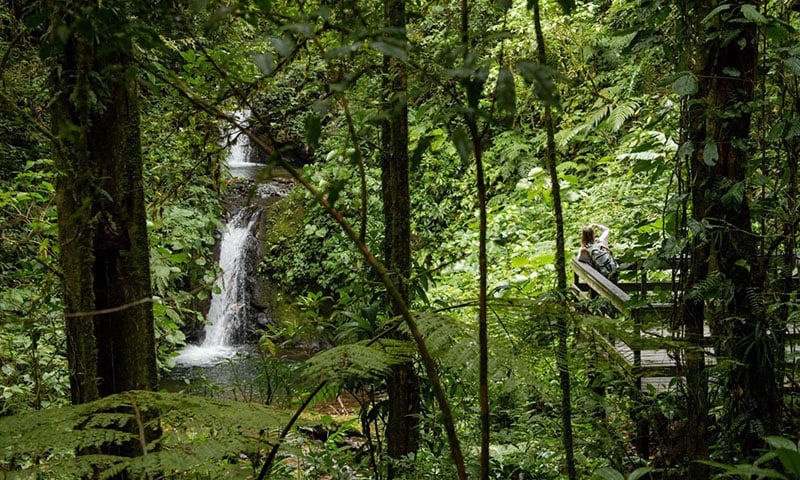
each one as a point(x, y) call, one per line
point(505, 93)
point(391, 49)
point(686, 84)
point(751, 13)
point(541, 78)
point(265, 62)
point(710, 153)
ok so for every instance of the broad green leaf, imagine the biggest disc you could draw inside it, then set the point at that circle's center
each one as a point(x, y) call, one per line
point(794, 64)
point(781, 442)
point(304, 29)
point(640, 472)
point(716, 11)
point(505, 94)
point(313, 130)
point(422, 145)
point(264, 5)
point(265, 62)
point(389, 49)
point(686, 84)
point(686, 149)
point(710, 153)
point(505, 5)
point(607, 473)
point(463, 144)
point(282, 45)
point(343, 50)
point(731, 72)
point(751, 13)
point(734, 197)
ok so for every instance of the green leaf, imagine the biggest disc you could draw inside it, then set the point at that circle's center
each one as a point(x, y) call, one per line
point(640, 472)
point(734, 197)
point(794, 64)
point(313, 130)
point(343, 50)
point(422, 146)
point(388, 49)
point(265, 62)
point(716, 11)
point(282, 45)
point(686, 84)
point(463, 145)
point(541, 78)
point(607, 473)
point(780, 442)
point(505, 93)
point(264, 5)
point(710, 153)
point(751, 13)
point(505, 5)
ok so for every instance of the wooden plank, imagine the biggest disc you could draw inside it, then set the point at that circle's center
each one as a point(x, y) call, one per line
point(601, 285)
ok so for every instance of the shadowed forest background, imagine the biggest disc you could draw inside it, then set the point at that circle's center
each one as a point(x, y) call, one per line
point(423, 172)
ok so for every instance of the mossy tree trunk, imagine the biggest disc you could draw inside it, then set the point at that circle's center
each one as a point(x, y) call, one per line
point(402, 433)
point(100, 201)
point(719, 128)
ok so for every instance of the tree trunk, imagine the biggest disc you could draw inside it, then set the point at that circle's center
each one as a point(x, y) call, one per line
point(562, 351)
point(402, 435)
point(719, 127)
point(101, 212)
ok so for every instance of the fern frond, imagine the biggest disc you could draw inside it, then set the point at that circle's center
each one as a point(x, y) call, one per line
point(622, 113)
point(563, 137)
point(756, 301)
point(707, 287)
point(345, 363)
point(597, 117)
point(196, 434)
point(439, 331)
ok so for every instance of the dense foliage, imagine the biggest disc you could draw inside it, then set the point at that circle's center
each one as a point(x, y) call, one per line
point(619, 77)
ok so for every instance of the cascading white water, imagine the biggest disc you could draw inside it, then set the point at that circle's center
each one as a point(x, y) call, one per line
point(229, 304)
point(240, 151)
point(228, 311)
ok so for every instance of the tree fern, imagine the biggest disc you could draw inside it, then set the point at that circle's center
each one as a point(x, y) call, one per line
point(218, 438)
point(350, 362)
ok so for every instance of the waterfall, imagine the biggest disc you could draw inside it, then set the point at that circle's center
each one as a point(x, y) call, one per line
point(228, 313)
point(240, 151)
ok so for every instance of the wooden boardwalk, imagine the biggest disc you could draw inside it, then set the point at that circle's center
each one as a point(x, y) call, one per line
point(643, 349)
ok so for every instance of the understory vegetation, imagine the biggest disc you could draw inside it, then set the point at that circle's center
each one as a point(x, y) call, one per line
point(614, 100)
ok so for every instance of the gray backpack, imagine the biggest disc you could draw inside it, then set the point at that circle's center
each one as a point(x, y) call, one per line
point(603, 261)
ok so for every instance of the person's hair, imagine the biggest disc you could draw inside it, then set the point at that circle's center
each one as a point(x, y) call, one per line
point(587, 236)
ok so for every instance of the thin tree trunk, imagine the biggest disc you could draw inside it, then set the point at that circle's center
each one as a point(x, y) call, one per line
point(562, 351)
point(402, 433)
